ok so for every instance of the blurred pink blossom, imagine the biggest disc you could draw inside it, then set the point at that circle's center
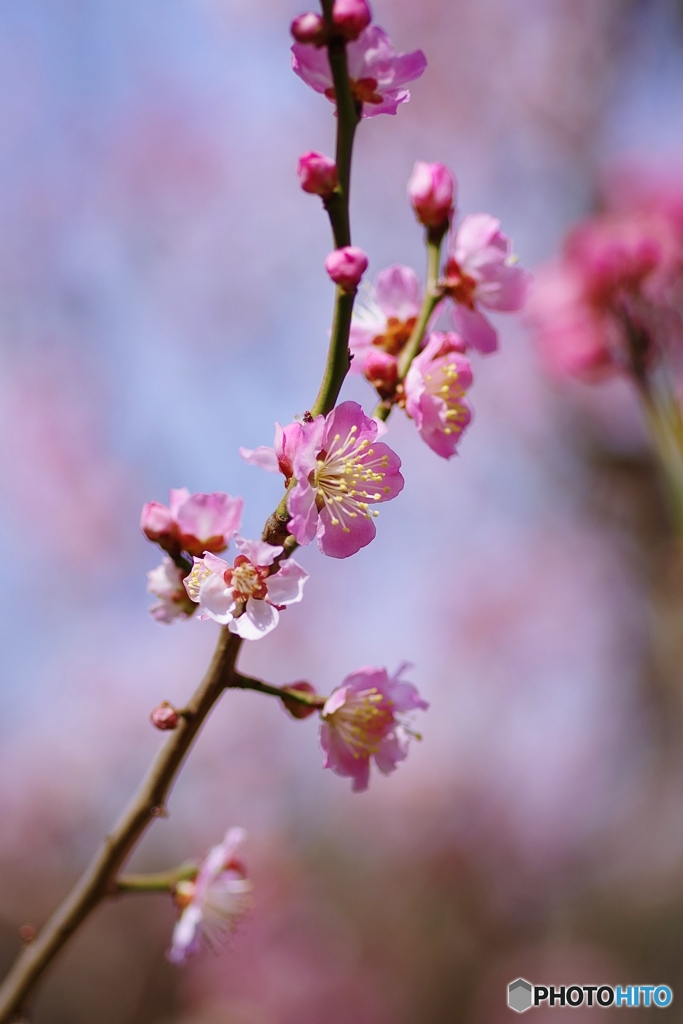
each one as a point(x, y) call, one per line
point(431, 190)
point(364, 718)
point(341, 470)
point(482, 271)
point(246, 597)
point(387, 316)
point(166, 583)
point(435, 389)
point(214, 903)
point(378, 74)
point(317, 174)
point(193, 522)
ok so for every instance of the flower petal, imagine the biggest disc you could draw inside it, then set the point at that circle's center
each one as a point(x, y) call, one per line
point(258, 619)
point(287, 585)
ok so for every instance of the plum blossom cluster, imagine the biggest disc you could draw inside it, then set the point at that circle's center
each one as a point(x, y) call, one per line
point(612, 302)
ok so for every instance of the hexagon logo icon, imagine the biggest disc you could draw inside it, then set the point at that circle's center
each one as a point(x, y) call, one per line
point(520, 995)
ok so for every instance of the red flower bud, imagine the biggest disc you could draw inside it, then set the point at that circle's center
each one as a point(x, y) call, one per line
point(431, 190)
point(346, 266)
point(309, 28)
point(317, 174)
point(296, 707)
point(351, 17)
point(165, 716)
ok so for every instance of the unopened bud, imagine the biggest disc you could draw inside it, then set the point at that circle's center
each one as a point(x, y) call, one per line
point(158, 525)
point(27, 933)
point(317, 174)
point(310, 29)
point(350, 17)
point(165, 717)
point(297, 708)
point(381, 369)
point(431, 191)
point(346, 266)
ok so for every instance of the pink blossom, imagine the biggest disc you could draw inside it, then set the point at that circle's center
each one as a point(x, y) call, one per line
point(378, 75)
point(483, 271)
point(385, 320)
point(246, 597)
point(350, 17)
point(346, 266)
point(341, 472)
point(309, 29)
point(435, 387)
point(194, 522)
point(213, 904)
point(166, 583)
point(431, 190)
point(279, 458)
point(364, 718)
point(317, 174)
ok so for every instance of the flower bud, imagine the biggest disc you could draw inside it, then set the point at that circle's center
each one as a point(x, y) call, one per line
point(350, 17)
point(165, 717)
point(317, 174)
point(157, 522)
point(309, 28)
point(381, 369)
point(297, 708)
point(346, 266)
point(431, 191)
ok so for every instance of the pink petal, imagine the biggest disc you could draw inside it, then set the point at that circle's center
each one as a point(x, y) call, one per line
point(476, 232)
point(302, 508)
point(216, 600)
point(398, 292)
point(475, 329)
point(258, 619)
point(263, 457)
point(287, 585)
point(407, 67)
point(178, 498)
point(391, 101)
point(335, 542)
point(258, 552)
point(312, 65)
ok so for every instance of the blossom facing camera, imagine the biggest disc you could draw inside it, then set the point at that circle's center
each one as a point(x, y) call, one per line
point(350, 17)
point(366, 718)
point(165, 717)
point(317, 174)
point(246, 597)
point(483, 271)
point(166, 583)
point(192, 522)
point(431, 190)
point(387, 316)
point(309, 30)
point(435, 388)
point(214, 903)
point(378, 75)
point(341, 473)
point(346, 266)
point(279, 458)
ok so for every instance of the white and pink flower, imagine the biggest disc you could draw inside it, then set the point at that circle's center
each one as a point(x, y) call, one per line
point(366, 718)
point(378, 74)
point(385, 320)
point(342, 472)
point(247, 597)
point(435, 388)
point(214, 903)
point(192, 522)
point(279, 458)
point(166, 583)
point(482, 271)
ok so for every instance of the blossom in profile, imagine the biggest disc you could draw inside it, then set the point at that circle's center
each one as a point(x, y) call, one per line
point(247, 597)
point(431, 190)
point(435, 388)
point(342, 472)
point(385, 319)
point(483, 272)
point(166, 583)
point(279, 458)
point(346, 266)
point(317, 174)
point(366, 718)
point(378, 74)
point(213, 904)
point(192, 522)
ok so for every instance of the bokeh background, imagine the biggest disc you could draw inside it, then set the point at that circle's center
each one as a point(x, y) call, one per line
point(162, 301)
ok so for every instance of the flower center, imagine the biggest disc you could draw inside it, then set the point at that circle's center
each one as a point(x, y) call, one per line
point(396, 334)
point(443, 383)
point(247, 580)
point(363, 721)
point(363, 90)
point(349, 479)
point(460, 286)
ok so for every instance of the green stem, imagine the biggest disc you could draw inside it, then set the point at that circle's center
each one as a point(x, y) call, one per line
point(158, 881)
point(431, 300)
point(338, 361)
point(283, 692)
point(665, 432)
